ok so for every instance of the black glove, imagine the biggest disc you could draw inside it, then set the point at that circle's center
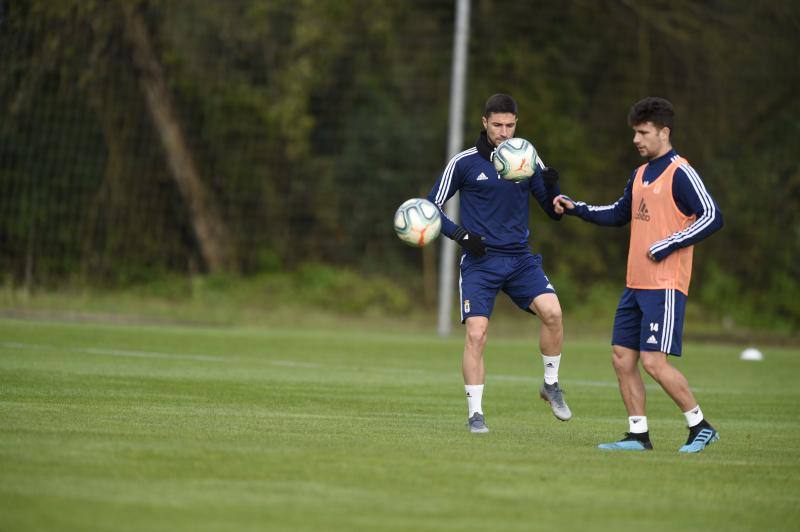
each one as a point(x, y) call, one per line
point(550, 177)
point(470, 241)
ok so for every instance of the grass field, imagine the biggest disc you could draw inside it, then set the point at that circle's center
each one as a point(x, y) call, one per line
point(140, 428)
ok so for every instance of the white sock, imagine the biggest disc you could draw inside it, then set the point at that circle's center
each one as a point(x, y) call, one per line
point(637, 424)
point(551, 368)
point(694, 416)
point(474, 396)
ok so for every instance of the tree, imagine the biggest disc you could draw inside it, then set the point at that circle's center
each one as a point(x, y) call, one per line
point(211, 231)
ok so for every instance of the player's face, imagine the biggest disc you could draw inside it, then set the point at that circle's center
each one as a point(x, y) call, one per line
point(500, 127)
point(650, 140)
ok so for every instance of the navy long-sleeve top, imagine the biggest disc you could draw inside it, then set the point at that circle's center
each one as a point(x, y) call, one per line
point(492, 207)
point(690, 195)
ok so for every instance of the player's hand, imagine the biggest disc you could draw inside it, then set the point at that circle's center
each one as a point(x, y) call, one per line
point(550, 177)
point(470, 241)
point(561, 203)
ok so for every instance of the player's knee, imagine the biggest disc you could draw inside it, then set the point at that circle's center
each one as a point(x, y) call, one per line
point(476, 340)
point(476, 335)
point(551, 316)
point(618, 362)
point(653, 366)
point(622, 362)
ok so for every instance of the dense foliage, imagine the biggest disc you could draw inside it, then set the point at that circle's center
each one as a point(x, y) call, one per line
point(305, 123)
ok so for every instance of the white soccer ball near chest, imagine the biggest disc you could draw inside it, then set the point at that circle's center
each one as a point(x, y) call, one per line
point(514, 159)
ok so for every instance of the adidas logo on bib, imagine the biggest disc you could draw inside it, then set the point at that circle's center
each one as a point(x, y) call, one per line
point(642, 213)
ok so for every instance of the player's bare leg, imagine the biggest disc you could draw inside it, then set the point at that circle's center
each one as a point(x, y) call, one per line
point(474, 371)
point(472, 364)
point(657, 365)
point(631, 386)
point(551, 340)
point(551, 336)
point(701, 433)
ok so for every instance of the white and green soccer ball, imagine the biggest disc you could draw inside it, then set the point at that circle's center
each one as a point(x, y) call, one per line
point(514, 159)
point(417, 222)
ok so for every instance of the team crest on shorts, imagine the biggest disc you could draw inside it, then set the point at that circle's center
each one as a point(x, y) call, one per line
point(466, 305)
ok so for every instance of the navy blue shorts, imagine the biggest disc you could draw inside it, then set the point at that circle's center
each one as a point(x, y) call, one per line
point(650, 320)
point(519, 276)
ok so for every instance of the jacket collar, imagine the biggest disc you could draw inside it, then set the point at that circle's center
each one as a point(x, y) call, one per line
point(485, 147)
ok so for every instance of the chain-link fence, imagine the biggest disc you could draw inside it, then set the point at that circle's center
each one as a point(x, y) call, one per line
point(179, 136)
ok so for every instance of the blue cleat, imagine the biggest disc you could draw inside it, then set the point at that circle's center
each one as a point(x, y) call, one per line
point(699, 439)
point(631, 442)
point(476, 423)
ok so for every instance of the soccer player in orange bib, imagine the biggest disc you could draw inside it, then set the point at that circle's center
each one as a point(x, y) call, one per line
point(670, 210)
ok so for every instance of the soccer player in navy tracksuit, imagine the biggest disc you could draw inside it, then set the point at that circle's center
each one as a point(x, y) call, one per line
point(494, 234)
point(670, 210)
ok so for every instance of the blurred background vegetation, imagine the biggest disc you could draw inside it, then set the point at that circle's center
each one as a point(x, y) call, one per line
point(250, 154)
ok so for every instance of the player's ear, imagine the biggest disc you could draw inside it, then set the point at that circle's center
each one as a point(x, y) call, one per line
point(665, 133)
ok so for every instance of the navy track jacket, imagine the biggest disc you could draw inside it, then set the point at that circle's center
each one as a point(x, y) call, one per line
point(491, 207)
point(690, 196)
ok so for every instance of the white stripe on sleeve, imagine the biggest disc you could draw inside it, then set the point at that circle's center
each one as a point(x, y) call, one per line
point(447, 176)
point(698, 225)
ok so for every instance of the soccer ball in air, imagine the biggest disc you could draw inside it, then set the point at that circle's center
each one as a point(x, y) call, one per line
point(417, 222)
point(514, 159)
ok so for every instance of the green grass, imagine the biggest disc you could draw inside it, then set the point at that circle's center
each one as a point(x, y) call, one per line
point(134, 427)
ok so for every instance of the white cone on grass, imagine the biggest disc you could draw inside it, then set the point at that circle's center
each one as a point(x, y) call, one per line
point(751, 353)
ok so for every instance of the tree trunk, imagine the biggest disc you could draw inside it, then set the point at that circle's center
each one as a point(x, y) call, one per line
point(209, 228)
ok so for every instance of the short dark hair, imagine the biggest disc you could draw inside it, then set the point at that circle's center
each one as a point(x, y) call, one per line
point(500, 103)
point(652, 109)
